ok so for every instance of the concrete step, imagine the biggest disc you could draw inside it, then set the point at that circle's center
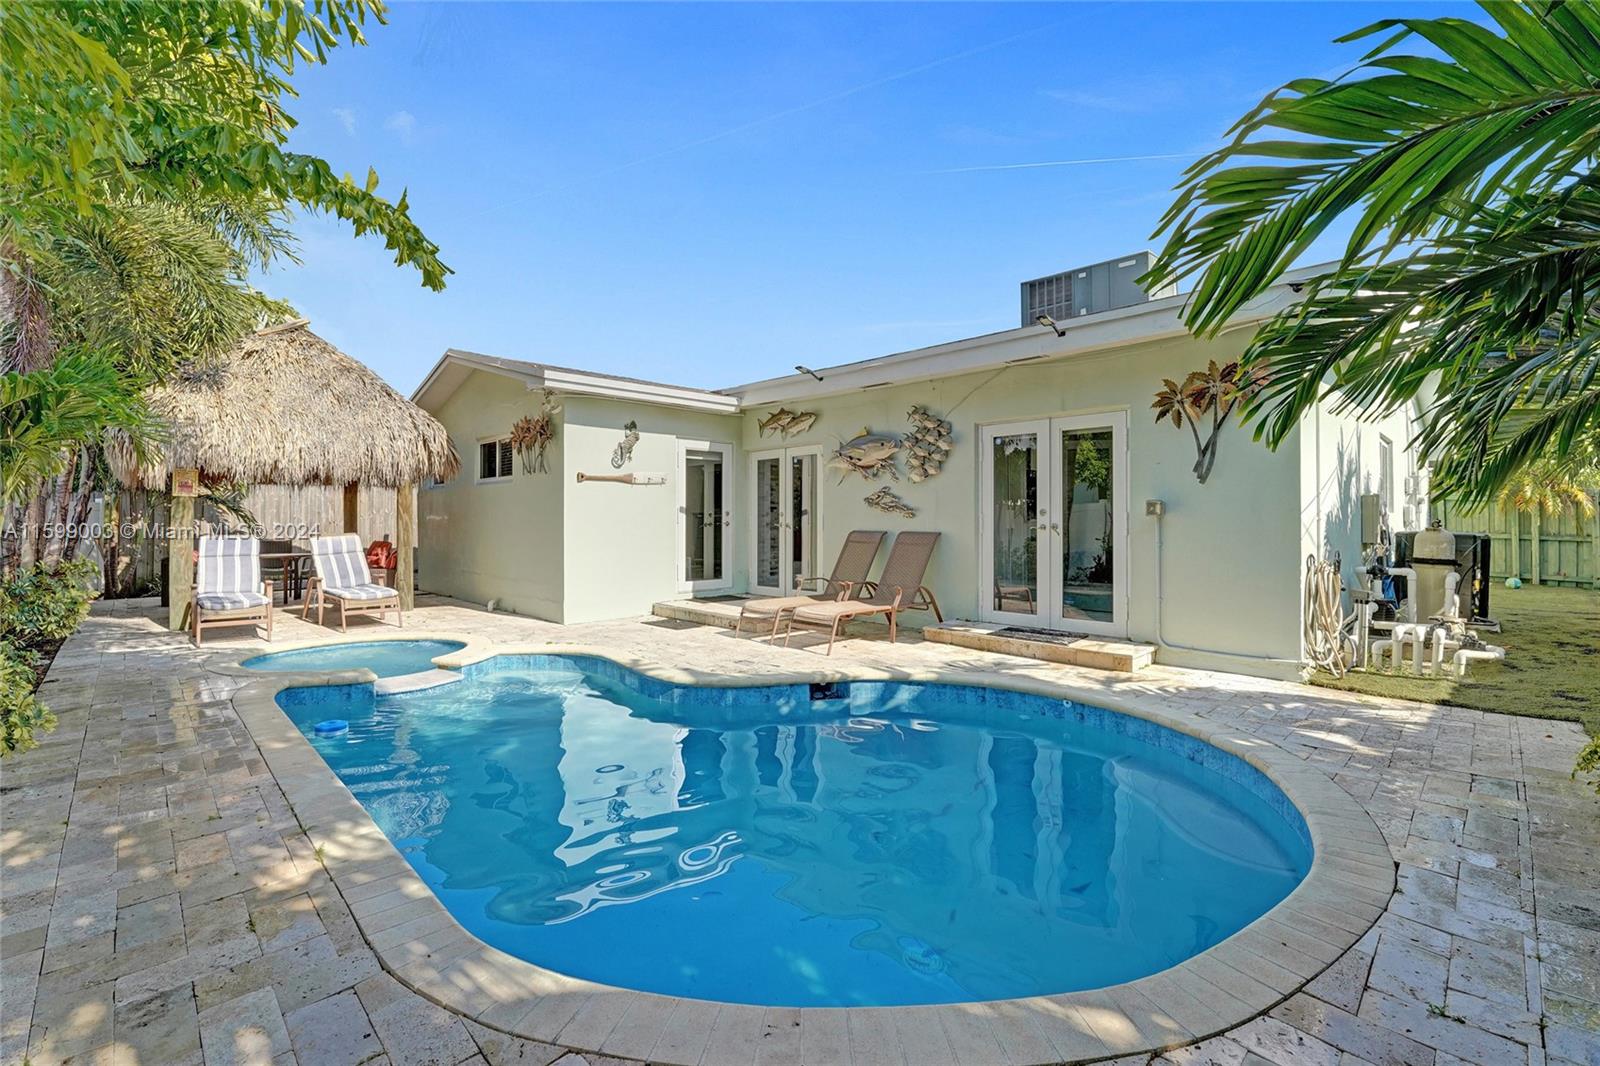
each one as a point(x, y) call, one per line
point(723, 613)
point(1094, 652)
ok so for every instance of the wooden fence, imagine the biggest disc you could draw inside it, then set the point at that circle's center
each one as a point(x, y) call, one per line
point(283, 512)
point(1541, 548)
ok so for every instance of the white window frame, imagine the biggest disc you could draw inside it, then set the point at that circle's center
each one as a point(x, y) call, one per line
point(477, 459)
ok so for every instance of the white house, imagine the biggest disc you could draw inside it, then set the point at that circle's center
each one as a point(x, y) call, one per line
point(1062, 506)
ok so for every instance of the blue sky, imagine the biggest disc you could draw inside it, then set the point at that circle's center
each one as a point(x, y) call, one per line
point(710, 194)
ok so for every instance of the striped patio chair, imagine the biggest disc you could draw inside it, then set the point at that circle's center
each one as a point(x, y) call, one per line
point(228, 590)
point(343, 577)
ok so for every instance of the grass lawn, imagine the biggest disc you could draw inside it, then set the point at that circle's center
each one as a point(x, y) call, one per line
point(1552, 667)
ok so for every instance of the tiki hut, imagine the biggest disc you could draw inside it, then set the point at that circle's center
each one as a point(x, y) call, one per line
point(285, 407)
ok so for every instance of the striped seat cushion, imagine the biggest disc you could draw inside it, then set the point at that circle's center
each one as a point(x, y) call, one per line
point(364, 591)
point(229, 601)
point(340, 562)
point(228, 577)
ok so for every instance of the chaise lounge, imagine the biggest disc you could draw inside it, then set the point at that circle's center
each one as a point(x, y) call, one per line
point(898, 588)
point(343, 577)
point(228, 590)
point(850, 569)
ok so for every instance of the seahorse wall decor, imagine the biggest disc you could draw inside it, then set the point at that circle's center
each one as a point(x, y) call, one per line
point(928, 444)
point(622, 455)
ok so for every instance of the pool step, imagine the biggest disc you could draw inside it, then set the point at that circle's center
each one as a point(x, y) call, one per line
point(388, 686)
point(1049, 647)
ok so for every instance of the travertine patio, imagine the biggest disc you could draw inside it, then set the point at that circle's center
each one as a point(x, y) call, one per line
point(161, 902)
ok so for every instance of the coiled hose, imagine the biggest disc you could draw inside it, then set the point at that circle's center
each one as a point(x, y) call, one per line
point(1327, 644)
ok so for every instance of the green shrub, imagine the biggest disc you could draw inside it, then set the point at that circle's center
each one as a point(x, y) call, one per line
point(40, 606)
point(1589, 760)
point(21, 713)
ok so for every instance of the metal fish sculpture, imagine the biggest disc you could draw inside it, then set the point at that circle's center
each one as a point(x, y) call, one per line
point(775, 422)
point(800, 422)
point(929, 444)
point(886, 501)
point(868, 454)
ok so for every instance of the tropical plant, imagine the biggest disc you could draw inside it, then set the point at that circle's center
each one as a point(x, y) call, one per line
point(46, 413)
point(1589, 761)
point(42, 605)
point(176, 102)
point(1549, 486)
point(1215, 391)
point(1469, 283)
point(21, 713)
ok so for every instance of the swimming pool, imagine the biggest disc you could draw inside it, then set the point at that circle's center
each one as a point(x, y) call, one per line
point(896, 844)
point(386, 658)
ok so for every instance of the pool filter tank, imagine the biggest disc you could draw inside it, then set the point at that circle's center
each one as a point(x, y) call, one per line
point(1433, 557)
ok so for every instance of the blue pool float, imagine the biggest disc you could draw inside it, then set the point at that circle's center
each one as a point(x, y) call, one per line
point(331, 727)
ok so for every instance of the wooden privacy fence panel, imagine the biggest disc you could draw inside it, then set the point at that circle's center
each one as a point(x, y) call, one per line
point(283, 512)
point(1543, 548)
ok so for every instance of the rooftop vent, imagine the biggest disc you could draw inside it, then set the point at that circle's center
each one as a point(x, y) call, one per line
point(1089, 289)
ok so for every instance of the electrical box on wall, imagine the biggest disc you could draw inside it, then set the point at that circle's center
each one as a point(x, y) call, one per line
point(1371, 518)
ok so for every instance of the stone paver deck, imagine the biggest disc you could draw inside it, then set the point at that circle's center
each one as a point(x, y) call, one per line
point(160, 902)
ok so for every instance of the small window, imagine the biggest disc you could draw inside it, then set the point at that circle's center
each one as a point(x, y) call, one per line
point(494, 460)
point(1386, 472)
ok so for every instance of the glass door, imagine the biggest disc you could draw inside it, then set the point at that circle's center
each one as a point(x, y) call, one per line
point(1054, 536)
point(1089, 498)
point(785, 531)
point(705, 516)
point(1015, 516)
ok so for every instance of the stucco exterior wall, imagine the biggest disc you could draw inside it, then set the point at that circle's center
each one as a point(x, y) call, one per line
point(1230, 547)
point(1340, 460)
point(623, 542)
point(493, 540)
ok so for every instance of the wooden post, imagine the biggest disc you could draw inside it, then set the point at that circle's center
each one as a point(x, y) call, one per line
point(352, 500)
point(180, 561)
point(1594, 543)
point(405, 539)
point(1535, 550)
point(1513, 529)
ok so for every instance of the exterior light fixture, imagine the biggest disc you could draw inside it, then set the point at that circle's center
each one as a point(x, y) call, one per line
point(808, 370)
point(1049, 323)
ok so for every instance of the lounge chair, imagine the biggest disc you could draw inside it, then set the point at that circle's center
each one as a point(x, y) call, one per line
point(898, 588)
point(342, 576)
point(860, 548)
point(228, 590)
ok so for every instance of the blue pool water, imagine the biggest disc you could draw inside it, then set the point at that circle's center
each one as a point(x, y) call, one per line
point(904, 844)
point(386, 658)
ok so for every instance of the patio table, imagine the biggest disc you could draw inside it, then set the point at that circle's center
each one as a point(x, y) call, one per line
point(291, 568)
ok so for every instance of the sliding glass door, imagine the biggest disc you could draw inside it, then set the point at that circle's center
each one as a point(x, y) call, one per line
point(1054, 523)
point(784, 532)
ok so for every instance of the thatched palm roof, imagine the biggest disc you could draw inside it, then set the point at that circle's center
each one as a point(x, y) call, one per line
point(285, 407)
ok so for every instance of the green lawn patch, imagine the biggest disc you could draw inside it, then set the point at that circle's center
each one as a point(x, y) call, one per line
point(1552, 667)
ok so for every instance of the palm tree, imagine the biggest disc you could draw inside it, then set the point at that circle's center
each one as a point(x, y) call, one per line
point(1471, 279)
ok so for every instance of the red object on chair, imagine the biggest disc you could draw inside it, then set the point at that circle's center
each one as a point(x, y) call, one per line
point(382, 556)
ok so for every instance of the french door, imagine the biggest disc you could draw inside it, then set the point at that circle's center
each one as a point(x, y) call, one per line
point(1054, 523)
point(705, 516)
point(784, 530)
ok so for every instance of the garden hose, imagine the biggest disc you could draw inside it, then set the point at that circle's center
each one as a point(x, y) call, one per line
point(1327, 644)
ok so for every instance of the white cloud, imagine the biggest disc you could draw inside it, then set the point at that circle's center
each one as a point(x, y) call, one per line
point(347, 119)
point(403, 124)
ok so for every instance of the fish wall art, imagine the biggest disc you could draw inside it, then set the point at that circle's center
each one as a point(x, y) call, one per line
point(868, 454)
point(928, 444)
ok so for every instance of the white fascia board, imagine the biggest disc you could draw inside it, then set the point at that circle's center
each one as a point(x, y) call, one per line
point(1105, 331)
point(578, 383)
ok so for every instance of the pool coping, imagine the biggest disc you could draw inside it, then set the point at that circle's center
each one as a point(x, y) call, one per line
point(416, 940)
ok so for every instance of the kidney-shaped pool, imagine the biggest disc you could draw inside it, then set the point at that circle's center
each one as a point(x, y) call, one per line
point(861, 845)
